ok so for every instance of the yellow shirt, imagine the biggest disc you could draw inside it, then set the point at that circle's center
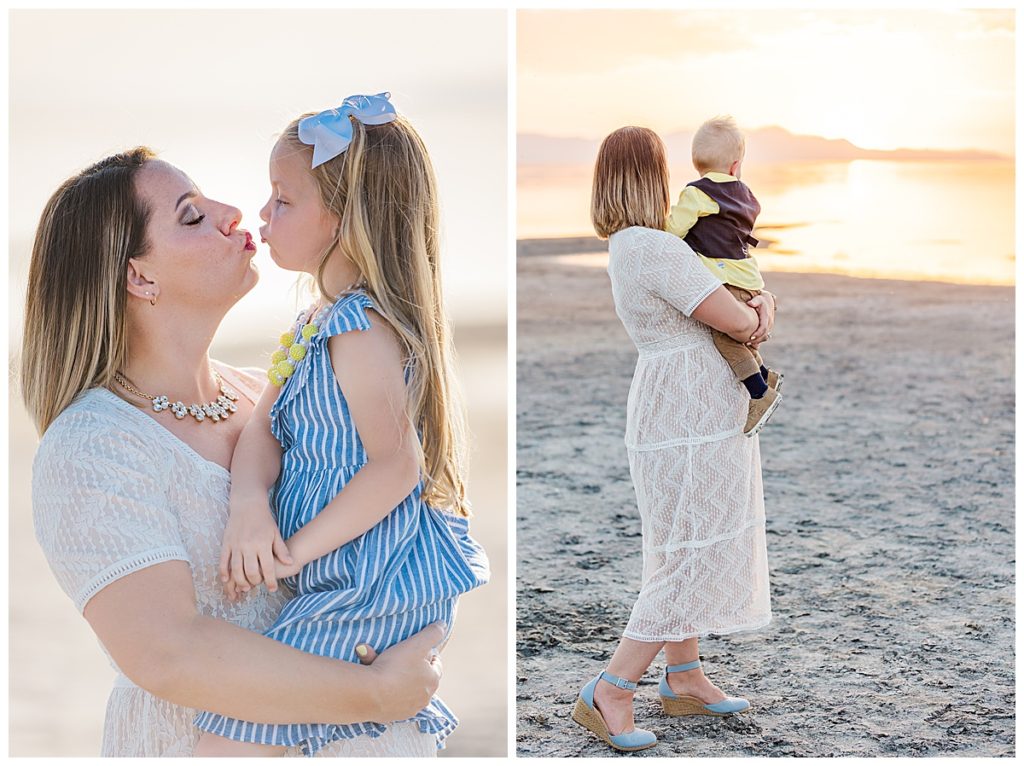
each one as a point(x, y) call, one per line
point(694, 204)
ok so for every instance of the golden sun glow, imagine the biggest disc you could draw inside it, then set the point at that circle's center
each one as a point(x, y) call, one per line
point(939, 79)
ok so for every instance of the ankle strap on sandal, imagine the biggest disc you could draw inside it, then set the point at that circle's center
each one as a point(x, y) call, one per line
point(680, 668)
point(622, 683)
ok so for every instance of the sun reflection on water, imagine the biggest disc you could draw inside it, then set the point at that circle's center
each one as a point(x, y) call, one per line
point(935, 221)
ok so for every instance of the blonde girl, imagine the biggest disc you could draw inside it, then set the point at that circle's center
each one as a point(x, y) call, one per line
point(359, 439)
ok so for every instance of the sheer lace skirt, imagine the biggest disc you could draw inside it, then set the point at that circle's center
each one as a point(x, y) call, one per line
point(705, 567)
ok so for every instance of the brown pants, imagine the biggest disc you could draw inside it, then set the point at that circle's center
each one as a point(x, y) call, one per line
point(743, 360)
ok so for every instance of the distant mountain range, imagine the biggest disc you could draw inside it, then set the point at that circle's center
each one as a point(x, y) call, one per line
point(764, 145)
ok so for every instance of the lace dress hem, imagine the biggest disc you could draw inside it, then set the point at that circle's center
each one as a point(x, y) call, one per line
point(748, 628)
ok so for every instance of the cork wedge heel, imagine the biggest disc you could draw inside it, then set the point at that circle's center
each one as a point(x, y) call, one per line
point(683, 704)
point(589, 717)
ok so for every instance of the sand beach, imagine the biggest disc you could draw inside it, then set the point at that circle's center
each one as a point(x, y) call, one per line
point(59, 678)
point(889, 489)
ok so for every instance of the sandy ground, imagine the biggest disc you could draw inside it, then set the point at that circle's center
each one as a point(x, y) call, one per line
point(59, 679)
point(889, 488)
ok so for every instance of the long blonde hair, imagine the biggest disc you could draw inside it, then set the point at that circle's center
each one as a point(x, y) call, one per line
point(383, 192)
point(75, 334)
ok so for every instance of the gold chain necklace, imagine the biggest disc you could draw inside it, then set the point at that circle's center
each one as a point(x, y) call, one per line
point(216, 410)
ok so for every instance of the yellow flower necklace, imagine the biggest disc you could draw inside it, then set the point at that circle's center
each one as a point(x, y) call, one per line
point(295, 343)
point(293, 348)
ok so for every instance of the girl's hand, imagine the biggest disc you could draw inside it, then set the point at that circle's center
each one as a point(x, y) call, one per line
point(764, 305)
point(407, 674)
point(289, 569)
point(251, 543)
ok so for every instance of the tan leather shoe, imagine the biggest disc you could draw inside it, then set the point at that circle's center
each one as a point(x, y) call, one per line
point(760, 410)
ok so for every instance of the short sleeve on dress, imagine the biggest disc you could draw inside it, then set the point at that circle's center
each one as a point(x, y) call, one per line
point(672, 271)
point(348, 314)
point(99, 508)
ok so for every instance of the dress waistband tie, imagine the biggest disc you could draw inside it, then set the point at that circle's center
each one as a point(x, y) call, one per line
point(669, 345)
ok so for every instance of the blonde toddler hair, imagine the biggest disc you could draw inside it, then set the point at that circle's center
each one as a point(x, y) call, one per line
point(717, 144)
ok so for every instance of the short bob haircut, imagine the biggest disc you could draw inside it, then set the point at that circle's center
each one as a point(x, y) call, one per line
point(630, 182)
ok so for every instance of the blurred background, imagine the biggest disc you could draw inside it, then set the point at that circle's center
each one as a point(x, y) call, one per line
point(879, 143)
point(210, 91)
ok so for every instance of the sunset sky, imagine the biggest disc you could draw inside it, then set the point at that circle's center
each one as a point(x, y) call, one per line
point(940, 79)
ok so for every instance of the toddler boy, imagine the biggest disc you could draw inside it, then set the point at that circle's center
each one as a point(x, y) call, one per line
point(715, 216)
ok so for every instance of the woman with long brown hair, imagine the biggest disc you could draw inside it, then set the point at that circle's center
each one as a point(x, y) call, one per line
point(697, 477)
point(132, 271)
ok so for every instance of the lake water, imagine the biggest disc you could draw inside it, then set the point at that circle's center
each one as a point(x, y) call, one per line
point(945, 221)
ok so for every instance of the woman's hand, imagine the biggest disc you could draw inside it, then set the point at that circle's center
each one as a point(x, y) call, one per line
point(764, 305)
point(252, 541)
point(407, 674)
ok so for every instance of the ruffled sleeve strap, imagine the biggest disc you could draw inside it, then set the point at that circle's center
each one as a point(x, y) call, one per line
point(100, 507)
point(347, 315)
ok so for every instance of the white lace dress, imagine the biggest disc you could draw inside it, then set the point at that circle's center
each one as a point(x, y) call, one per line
point(697, 477)
point(113, 492)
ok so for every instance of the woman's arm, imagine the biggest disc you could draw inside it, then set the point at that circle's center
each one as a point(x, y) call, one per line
point(148, 623)
point(370, 370)
point(721, 311)
point(252, 538)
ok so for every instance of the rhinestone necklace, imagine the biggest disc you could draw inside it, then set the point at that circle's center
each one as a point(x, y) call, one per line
point(217, 410)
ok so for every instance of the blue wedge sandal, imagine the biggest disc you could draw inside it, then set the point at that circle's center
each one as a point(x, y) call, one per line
point(676, 704)
point(588, 716)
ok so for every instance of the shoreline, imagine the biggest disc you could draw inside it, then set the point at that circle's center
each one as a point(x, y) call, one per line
point(585, 249)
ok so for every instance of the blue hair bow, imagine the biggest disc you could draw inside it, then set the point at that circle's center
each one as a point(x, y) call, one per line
point(330, 132)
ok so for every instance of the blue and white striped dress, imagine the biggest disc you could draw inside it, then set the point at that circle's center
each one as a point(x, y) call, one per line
point(400, 576)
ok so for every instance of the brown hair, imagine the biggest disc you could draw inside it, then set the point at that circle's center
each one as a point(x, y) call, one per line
point(717, 144)
point(630, 182)
point(75, 334)
point(383, 191)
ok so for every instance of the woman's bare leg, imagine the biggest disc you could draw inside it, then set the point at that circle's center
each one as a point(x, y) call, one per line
point(630, 661)
point(691, 682)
